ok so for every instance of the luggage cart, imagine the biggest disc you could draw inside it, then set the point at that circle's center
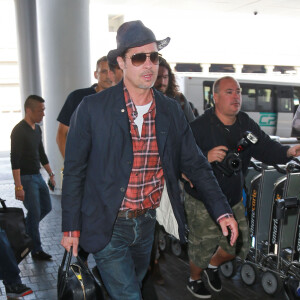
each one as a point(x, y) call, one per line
point(253, 170)
point(252, 182)
point(276, 259)
point(261, 198)
point(277, 265)
point(167, 242)
point(292, 283)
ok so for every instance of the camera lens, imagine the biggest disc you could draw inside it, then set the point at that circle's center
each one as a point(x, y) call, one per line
point(235, 164)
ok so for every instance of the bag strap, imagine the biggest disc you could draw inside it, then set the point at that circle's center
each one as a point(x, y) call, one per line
point(69, 254)
point(2, 201)
point(84, 266)
point(79, 278)
point(81, 263)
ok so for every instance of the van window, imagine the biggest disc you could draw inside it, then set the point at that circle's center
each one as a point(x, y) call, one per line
point(285, 99)
point(296, 95)
point(264, 100)
point(248, 98)
point(208, 95)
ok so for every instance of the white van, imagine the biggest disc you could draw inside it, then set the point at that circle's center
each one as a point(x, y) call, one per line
point(270, 100)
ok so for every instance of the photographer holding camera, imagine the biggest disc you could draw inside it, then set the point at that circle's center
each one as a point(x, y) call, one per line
point(228, 138)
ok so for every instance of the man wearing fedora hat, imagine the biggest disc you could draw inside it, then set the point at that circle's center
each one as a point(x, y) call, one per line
point(124, 145)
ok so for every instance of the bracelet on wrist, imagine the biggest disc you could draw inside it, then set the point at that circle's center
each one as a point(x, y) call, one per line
point(225, 216)
point(51, 174)
point(19, 188)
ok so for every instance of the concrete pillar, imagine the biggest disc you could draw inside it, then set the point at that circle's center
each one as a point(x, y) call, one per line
point(238, 68)
point(27, 49)
point(269, 69)
point(172, 65)
point(63, 32)
point(205, 68)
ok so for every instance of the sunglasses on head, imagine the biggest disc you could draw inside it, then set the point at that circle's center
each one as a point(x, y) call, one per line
point(139, 58)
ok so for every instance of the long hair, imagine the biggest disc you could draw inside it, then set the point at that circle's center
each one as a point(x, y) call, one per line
point(173, 89)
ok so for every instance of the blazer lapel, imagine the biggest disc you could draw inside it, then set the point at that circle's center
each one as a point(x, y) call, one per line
point(162, 119)
point(120, 113)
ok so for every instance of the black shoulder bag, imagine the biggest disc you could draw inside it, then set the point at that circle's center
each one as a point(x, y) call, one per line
point(12, 221)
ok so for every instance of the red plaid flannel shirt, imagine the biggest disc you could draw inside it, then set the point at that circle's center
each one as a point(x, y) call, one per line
point(146, 180)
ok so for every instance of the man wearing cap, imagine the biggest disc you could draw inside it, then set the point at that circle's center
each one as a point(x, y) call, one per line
point(124, 145)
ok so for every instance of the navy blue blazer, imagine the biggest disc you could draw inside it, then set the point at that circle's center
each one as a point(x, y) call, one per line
point(99, 158)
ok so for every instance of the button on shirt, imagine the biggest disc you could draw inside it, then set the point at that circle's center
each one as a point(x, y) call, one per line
point(146, 180)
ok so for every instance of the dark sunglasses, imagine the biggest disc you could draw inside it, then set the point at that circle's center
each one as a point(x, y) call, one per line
point(139, 58)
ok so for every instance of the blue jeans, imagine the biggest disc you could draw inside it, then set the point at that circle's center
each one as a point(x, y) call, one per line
point(38, 204)
point(123, 263)
point(9, 270)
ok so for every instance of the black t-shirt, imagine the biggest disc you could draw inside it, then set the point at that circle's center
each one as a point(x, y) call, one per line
point(27, 150)
point(72, 102)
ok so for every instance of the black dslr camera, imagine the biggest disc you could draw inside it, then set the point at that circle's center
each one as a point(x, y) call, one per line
point(232, 162)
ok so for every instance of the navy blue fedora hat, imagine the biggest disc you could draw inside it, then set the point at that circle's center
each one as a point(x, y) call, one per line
point(134, 34)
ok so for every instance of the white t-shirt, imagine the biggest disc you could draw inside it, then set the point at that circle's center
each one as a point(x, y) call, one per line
point(141, 110)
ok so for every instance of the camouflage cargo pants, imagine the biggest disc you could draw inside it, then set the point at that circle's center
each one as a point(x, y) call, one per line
point(205, 234)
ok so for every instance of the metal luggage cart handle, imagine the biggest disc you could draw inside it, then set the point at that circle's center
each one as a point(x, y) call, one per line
point(282, 204)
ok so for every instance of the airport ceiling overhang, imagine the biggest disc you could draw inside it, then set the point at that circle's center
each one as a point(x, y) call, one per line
point(253, 32)
point(270, 7)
